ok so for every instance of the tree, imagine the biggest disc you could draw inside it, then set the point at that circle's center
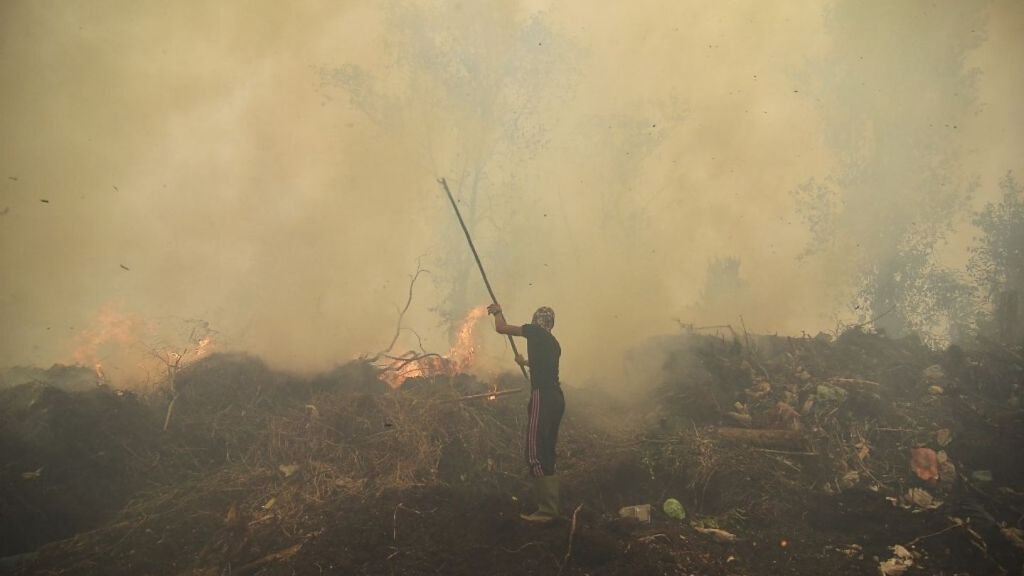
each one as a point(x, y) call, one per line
point(465, 84)
point(895, 192)
point(997, 257)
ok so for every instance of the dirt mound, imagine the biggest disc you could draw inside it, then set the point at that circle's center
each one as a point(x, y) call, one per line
point(789, 456)
point(897, 428)
point(70, 378)
point(70, 460)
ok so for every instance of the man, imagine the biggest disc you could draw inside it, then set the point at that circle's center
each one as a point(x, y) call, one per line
point(547, 404)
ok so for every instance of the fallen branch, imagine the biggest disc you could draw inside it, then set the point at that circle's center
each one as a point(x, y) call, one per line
point(488, 395)
point(394, 526)
point(786, 452)
point(957, 523)
point(572, 532)
point(856, 385)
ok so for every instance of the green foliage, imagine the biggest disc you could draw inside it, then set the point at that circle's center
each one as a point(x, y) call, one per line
point(997, 258)
point(895, 191)
point(909, 292)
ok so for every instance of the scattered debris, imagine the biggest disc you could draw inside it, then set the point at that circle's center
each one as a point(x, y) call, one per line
point(984, 476)
point(640, 513)
point(288, 469)
point(674, 509)
point(857, 400)
point(925, 463)
point(829, 395)
point(898, 564)
point(919, 498)
point(33, 475)
point(1014, 535)
point(718, 535)
point(855, 551)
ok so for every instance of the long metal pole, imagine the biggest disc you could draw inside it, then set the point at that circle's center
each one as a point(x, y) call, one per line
point(444, 184)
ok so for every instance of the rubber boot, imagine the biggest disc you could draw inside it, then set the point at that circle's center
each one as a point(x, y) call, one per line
point(545, 490)
point(551, 502)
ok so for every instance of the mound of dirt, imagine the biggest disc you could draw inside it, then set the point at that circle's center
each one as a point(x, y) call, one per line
point(788, 456)
point(71, 459)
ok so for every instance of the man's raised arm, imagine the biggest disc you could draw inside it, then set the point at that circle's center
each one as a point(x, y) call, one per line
point(500, 325)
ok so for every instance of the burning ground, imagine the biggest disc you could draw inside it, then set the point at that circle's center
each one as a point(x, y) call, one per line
point(789, 455)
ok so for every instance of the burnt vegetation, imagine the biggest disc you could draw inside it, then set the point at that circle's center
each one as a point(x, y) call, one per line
point(787, 454)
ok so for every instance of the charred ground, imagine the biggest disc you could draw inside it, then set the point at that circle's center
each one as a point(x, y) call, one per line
point(800, 448)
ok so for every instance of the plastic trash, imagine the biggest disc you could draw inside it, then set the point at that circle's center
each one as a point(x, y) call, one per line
point(674, 509)
point(925, 463)
point(640, 513)
point(981, 475)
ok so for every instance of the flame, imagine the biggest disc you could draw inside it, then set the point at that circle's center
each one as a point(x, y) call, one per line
point(115, 346)
point(458, 359)
point(110, 327)
point(464, 350)
point(203, 348)
point(189, 355)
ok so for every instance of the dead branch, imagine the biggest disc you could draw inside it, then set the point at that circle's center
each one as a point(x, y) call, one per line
point(489, 395)
point(172, 361)
point(394, 525)
point(572, 532)
point(689, 327)
point(856, 385)
point(957, 523)
point(401, 313)
point(870, 321)
point(409, 358)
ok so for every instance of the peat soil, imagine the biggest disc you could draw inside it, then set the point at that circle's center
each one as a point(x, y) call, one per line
point(270, 473)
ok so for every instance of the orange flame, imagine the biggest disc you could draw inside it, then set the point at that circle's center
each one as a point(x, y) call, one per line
point(115, 344)
point(458, 360)
point(111, 327)
point(464, 350)
point(204, 347)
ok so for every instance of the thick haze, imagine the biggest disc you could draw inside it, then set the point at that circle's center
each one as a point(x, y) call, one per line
point(270, 167)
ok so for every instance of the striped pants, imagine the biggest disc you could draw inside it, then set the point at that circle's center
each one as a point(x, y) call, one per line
point(545, 414)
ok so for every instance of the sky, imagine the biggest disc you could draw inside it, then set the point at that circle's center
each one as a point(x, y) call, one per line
point(271, 168)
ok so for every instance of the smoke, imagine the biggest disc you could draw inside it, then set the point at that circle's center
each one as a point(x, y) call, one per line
point(272, 170)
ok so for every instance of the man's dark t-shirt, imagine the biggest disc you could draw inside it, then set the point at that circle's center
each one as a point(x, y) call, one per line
point(543, 351)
